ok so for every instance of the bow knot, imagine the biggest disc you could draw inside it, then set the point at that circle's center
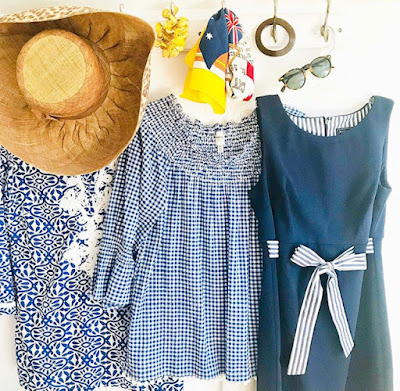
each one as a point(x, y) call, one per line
point(327, 267)
point(305, 257)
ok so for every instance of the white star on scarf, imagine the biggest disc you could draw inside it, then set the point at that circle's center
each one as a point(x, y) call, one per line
point(209, 36)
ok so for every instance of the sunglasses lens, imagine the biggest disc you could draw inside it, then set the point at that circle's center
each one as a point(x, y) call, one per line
point(321, 67)
point(294, 79)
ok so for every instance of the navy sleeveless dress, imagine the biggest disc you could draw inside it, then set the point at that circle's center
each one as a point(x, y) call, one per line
point(320, 203)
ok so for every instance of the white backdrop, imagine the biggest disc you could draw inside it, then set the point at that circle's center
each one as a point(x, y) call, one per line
point(367, 62)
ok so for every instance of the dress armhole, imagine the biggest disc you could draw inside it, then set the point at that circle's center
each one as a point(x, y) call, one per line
point(260, 202)
point(384, 189)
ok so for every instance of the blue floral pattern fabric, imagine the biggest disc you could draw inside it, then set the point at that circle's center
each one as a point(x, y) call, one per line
point(50, 227)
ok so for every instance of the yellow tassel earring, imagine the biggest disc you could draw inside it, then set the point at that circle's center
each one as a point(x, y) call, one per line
point(172, 34)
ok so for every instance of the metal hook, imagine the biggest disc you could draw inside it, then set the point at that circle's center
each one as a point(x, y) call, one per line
point(324, 28)
point(332, 38)
point(223, 4)
point(273, 29)
point(121, 7)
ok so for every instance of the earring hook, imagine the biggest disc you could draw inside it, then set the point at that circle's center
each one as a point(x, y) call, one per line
point(223, 4)
point(325, 28)
point(121, 7)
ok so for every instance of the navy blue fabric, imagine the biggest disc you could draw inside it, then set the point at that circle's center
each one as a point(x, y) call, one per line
point(371, 363)
point(327, 193)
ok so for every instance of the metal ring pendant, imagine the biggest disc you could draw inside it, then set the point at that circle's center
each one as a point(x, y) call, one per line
point(289, 29)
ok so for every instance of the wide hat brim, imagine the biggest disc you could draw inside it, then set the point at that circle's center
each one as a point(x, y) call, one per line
point(79, 146)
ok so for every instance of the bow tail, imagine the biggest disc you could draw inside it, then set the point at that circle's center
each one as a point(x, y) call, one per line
point(338, 314)
point(305, 326)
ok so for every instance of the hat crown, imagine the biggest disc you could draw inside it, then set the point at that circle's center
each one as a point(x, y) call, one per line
point(61, 75)
point(80, 141)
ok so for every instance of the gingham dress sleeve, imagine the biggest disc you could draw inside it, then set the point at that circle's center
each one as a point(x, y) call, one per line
point(137, 198)
point(7, 293)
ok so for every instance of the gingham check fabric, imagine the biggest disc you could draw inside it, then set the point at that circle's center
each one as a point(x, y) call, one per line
point(181, 247)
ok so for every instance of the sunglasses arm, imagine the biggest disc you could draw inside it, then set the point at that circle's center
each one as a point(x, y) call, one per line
point(284, 85)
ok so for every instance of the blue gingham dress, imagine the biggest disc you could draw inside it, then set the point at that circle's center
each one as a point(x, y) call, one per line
point(180, 246)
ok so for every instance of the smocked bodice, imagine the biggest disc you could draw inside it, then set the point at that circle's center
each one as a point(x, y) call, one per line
point(191, 145)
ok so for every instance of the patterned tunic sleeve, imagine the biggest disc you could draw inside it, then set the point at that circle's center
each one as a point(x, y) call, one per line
point(7, 303)
point(137, 198)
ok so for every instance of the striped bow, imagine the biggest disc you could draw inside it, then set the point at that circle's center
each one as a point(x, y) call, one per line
point(347, 261)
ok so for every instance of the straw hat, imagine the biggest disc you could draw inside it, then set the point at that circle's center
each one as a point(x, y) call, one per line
point(73, 86)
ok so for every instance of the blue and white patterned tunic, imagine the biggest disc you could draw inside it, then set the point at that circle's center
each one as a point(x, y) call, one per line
point(180, 246)
point(49, 231)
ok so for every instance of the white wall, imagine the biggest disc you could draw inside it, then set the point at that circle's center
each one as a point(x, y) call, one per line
point(367, 62)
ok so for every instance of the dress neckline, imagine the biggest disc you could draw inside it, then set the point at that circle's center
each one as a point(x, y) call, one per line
point(191, 144)
point(203, 128)
point(351, 132)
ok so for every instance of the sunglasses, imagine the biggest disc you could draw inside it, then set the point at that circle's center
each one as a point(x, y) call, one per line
point(296, 78)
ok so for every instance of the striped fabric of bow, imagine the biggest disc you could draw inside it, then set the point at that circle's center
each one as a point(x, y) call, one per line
point(347, 261)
